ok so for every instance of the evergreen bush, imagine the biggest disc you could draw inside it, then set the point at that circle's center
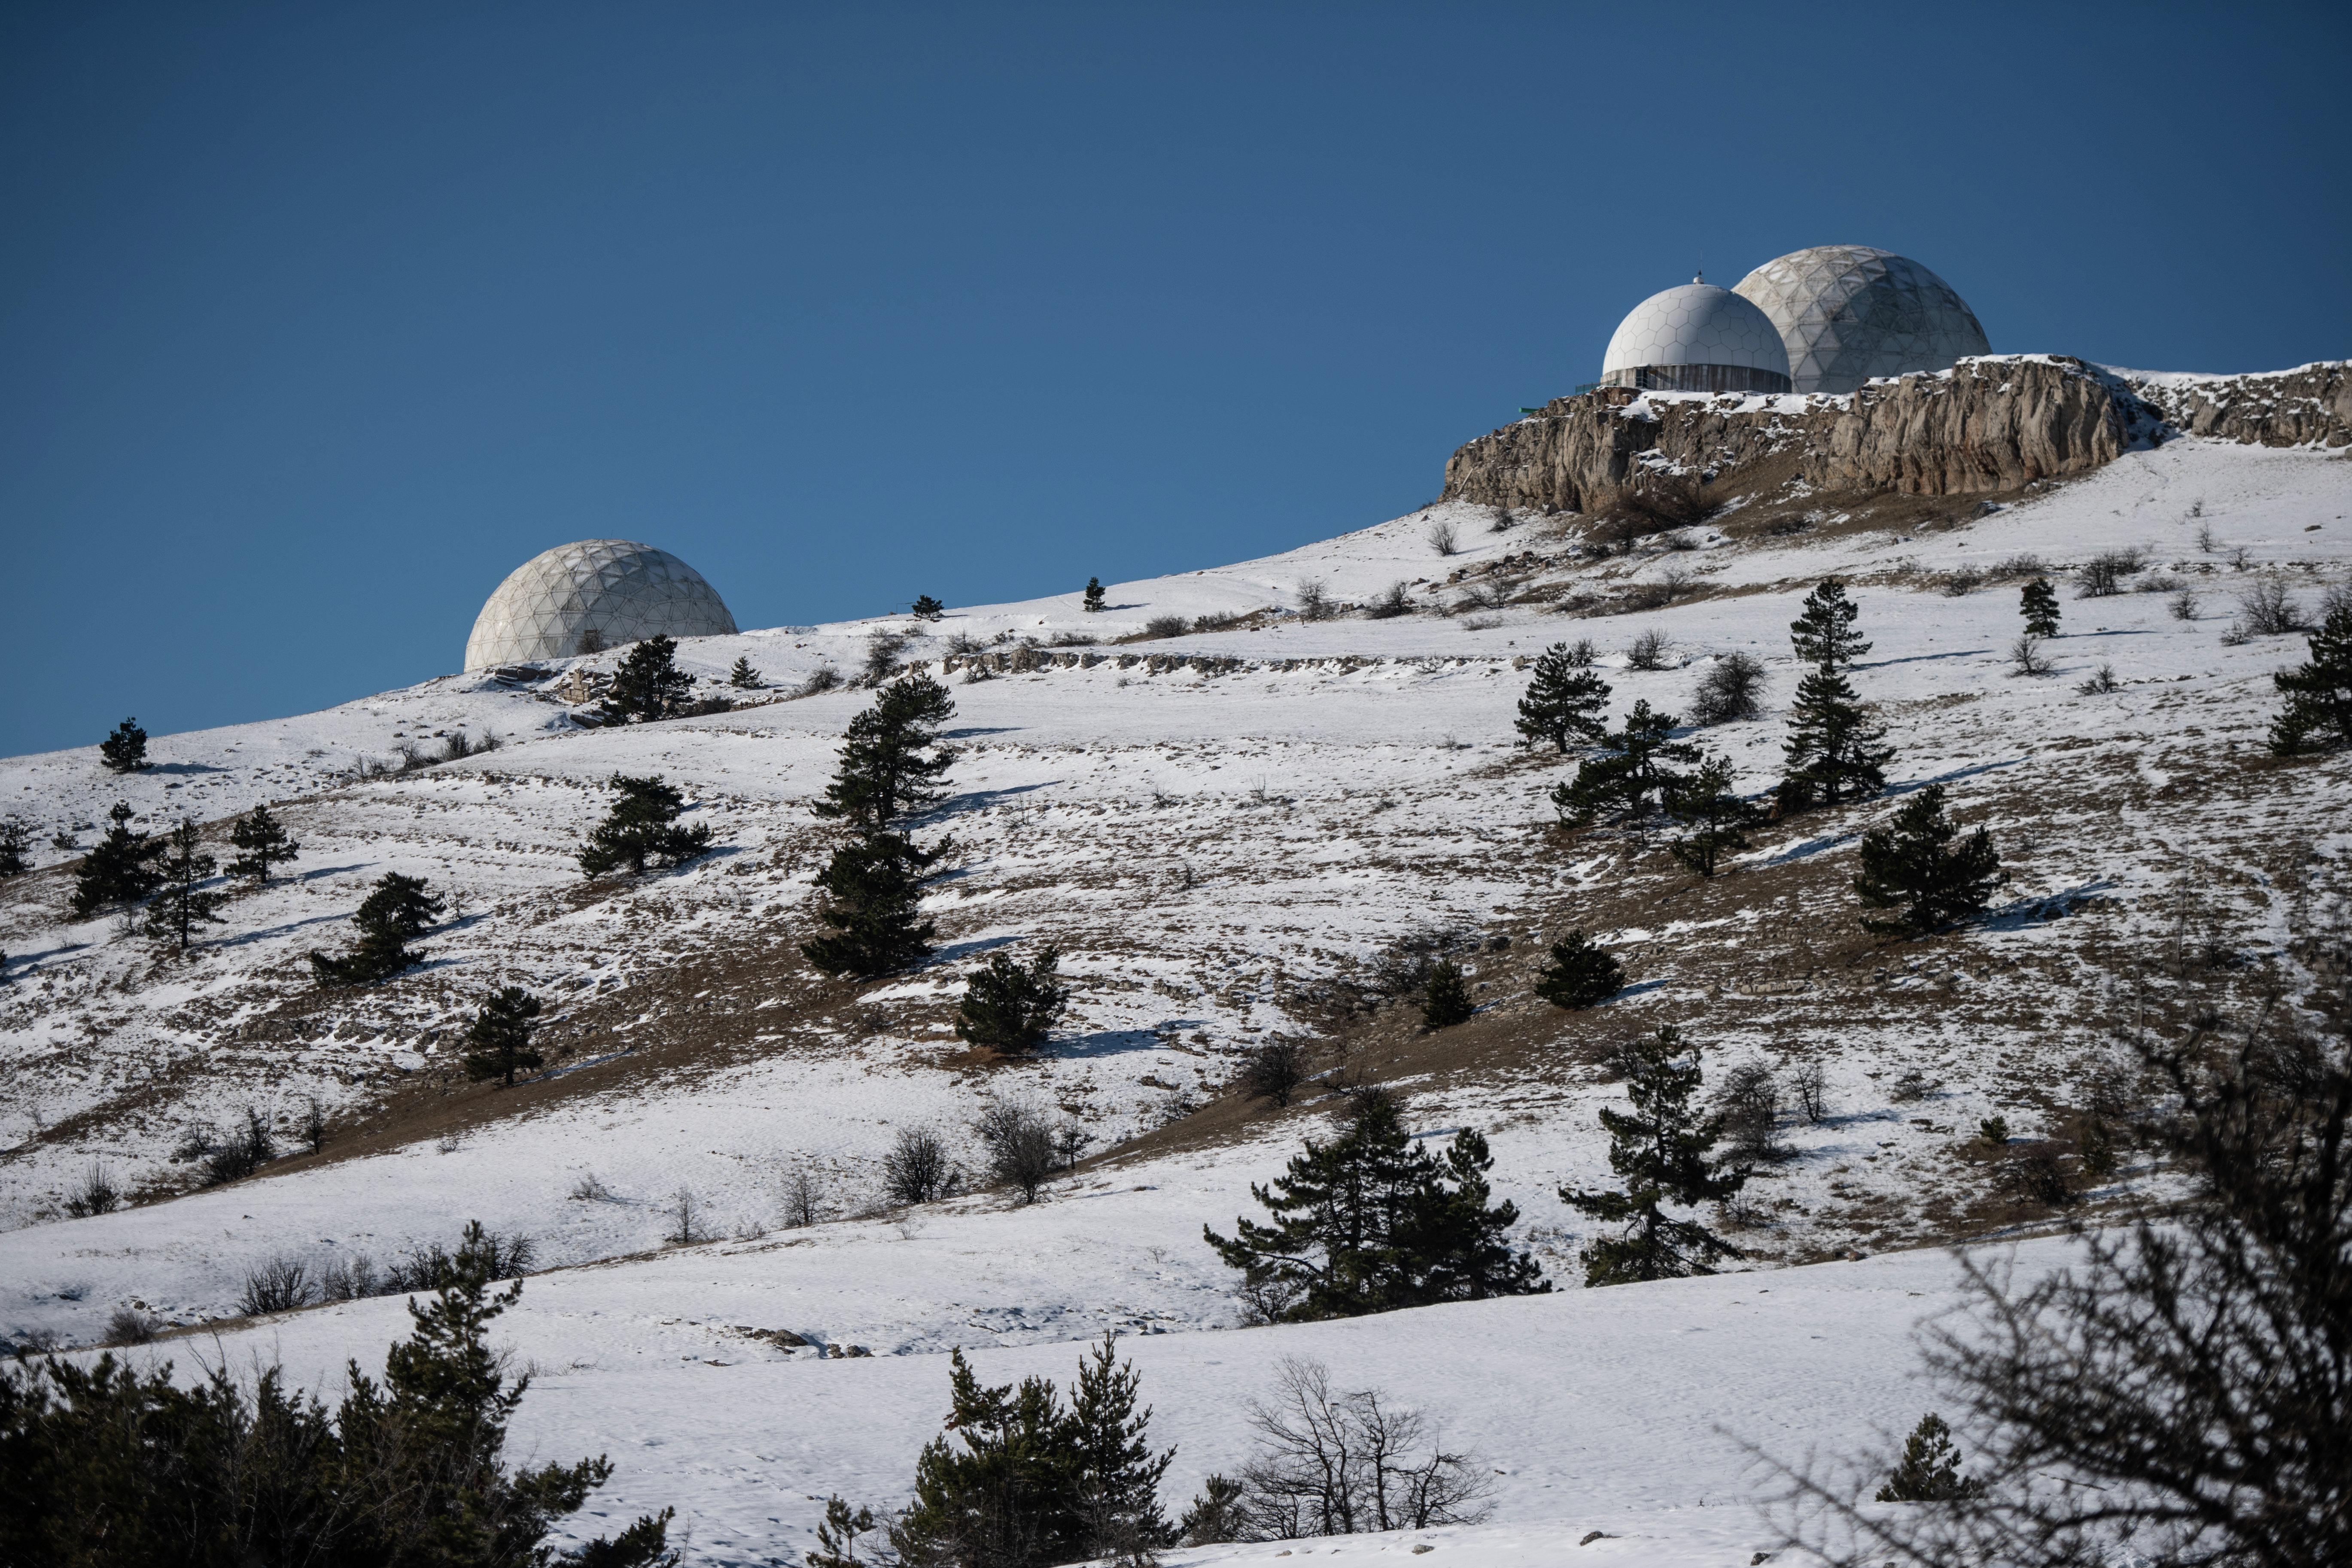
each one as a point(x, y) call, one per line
point(1369, 1222)
point(925, 608)
point(124, 751)
point(397, 913)
point(883, 772)
point(1633, 769)
point(263, 840)
point(13, 842)
point(1009, 1008)
point(1713, 818)
point(180, 902)
point(1732, 688)
point(648, 684)
point(1580, 974)
point(1930, 1468)
point(2038, 604)
point(500, 1037)
point(1913, 865)
point(742, 676)
point(1565, 702)
point(1446, 996)
point(120, 869)
point(873, 887)
point(2319, 711)
point(642, 827)
point(1094, 596)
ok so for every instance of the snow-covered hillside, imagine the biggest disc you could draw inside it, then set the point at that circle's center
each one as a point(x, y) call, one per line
point(1223, 831)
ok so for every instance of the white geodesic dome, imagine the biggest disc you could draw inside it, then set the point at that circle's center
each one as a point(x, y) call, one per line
point(622, 591)
point(1849, 312)
point(1696, 338)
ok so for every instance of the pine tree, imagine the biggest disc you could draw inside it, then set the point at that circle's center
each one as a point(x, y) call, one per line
point(13, 842)
point(742, 676)
point(1094, 596)
point(883, 772)
point(925, 608)
point(501, 1035)
point(875, 885)
point(641, 827)
point(119, 870)
point(647, 685)
point(1823, 635)
point(1913, 865)
point(1659, 1150)
point(257, 834)
point(2039, 604)
point(1580, 974)
point(1367, 1224)
point(1713, 817)
point(1565, 702)
point(1116, 1495)
point(836, 1538)
point(397, 913)
point(1001, 1495)
point(2319, 695)
point(125, 751)
point(1930, 1471)
point(1446, 996)
point(1009, 1008)
point(1632, 768)
point(180, 904)
point(1832, 751)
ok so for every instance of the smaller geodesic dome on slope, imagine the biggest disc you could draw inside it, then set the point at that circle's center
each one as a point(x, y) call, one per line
point(622, 591)
point(1696, 338)
point(1850, 312)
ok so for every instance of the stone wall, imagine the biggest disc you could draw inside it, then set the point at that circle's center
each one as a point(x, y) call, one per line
point(1990, 426)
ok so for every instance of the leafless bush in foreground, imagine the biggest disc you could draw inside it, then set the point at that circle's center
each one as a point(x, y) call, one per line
point(917, 1169)
point(1649, 650)
point(1444, 539)
point(276, 1285)
point(2268, 610)
point(1339, 1463)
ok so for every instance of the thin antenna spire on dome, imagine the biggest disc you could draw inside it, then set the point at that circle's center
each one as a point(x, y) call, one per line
point(1699, 276)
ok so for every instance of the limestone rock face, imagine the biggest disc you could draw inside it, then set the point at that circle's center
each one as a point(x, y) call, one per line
point(1987, 425)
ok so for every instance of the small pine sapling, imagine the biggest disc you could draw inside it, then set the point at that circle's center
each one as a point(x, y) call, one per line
point(2039, 606)
point(263, 840)
point(13, 842)
point(1010, 1008)
point(1582, 973)
point(1565, 701)
point(642, 827)
point(1713, 819)
point(500, 1037)
point(1930, 1468)
point(1093, 597)
point(925, 608)
point(1274, 1070)
point(1914, 866)
point(120, 869)
point(1445, 997)
point(743, 677)
point(181, 903)
point(836, 1538)
point(1823, 635)
point(2318, 712)
point(125, 751)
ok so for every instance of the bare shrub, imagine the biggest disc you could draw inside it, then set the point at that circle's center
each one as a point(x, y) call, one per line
point(1339, 1463)
point(1166, 627)
point(1501, 521)
point(804, 1201)
point(2336, 600)
point(2027, 564)
point(1402, 967)
point(129, 1326)
point(1583, 654)
point(314, 1124)
point(1313, 602)
point(1444, 538)
point(1750, 1096)
point(2102, 680)
point(689, 1221)
point(588, 1190)
point(1274, 1070)
point(917, 1169)
point(412, 756)
point(1810, 1084)
point(2268, 611)
point(95, 1194)
point(277, 1284)
point(1961, 583)
point(2235, 634)
point(1732, 688)
point(1649, 650)
point(1680, 541)
point(2026, 657)
point(2036, 1173)
point(1652, 505)
point(246, 1152)
point(1020, 1145)
point(1481, 623)
point(1215, 621)
point(2183, 606)
point(1480, 596)
point(2102, 574)
point(883, 647)
point(824, 678)
point(1392, 600)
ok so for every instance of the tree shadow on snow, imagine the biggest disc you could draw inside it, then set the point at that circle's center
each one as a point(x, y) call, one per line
point(1111, 1042)
point(2021, 913)
point(186, 768)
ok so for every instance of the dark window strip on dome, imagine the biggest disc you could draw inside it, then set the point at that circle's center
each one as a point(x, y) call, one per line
point(1698, 378)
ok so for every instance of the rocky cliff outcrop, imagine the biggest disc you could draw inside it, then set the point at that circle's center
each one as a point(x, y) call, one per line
point(1987, 425)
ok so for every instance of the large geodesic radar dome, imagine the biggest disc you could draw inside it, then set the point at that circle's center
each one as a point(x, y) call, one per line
point(1696, 338)
point(621, 591)
point(1849, 312)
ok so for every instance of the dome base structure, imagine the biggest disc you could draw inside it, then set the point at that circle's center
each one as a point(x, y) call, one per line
point(1697, 378)
point(591, 595)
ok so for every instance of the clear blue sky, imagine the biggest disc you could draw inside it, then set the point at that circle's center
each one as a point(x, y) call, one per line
point(316, 319)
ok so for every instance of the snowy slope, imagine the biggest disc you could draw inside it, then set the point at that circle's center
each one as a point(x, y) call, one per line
point(1220, 848)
